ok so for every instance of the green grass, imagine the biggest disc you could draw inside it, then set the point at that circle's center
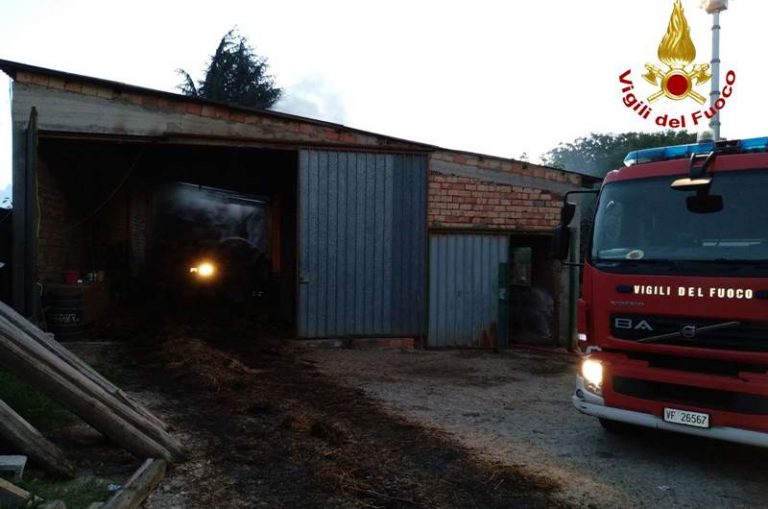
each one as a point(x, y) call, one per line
point(31, 404)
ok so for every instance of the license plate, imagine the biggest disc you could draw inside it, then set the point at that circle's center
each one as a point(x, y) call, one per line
point(686, 418)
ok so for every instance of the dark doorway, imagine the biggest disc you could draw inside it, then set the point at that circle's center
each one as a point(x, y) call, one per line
point(532, 304)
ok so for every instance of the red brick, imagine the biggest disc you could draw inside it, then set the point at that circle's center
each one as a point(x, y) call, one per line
point(208, 111)
point(193, 108)
point(40, 79)
point(105, 93)
point(239, 117)
point(24, 77)
point(149, 101)
point(73, 86)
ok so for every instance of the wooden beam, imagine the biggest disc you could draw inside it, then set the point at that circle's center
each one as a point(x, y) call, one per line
point(72, 397)
point(62, 382)
point(11, 496)
point(76, 362)
point(139, 486)
point(20, 433)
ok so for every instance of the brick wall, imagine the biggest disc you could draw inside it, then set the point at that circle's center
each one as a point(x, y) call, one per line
point(504, 166)
point(60, 245)
point(460, 201)
point(68, 242)
point(463, 202)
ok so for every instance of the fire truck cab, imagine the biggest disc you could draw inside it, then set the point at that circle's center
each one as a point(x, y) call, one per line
point(673, 312)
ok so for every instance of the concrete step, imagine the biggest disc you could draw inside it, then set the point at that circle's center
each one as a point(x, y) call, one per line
point(13, 464)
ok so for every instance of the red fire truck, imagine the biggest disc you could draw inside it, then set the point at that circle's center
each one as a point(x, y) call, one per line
point(673, 313)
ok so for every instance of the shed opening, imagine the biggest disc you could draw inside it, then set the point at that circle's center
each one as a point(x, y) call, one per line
point(169, 230)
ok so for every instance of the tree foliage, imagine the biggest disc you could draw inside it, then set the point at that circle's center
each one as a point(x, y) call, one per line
point(235, 74)
point(597, 154)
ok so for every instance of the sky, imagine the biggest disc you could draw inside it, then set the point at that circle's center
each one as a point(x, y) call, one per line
point(506, 78)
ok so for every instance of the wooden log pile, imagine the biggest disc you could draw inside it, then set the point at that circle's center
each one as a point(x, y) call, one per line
point(15, 430)
point(37, 358)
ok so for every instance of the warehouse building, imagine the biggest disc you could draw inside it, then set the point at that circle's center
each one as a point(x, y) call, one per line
point(331, 232)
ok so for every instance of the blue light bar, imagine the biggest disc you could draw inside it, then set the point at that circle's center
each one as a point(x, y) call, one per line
point(754, 145)
point(649, 155)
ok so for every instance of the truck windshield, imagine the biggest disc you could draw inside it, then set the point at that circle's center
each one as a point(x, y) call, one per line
point(645, 226)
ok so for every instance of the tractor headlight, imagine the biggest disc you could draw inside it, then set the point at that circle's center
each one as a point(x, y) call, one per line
point(204, 270)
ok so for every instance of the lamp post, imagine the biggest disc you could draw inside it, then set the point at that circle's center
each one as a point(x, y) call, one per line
point(715, 7)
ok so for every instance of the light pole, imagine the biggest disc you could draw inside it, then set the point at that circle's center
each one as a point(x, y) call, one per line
point(715, 7)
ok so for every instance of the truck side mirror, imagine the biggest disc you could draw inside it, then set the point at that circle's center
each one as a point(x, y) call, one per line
point(561, 237)
point(567, 213)
point(561, 241)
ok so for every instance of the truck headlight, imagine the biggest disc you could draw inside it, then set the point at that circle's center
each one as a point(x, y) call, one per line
point(592, 371)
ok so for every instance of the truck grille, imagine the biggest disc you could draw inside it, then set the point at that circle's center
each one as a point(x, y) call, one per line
point(736, 402)
point(747, 336)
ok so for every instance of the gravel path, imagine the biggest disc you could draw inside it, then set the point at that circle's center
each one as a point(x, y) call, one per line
point(515, 407)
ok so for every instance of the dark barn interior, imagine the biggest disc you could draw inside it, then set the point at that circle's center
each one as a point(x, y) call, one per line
point(174, 229)
point(533, 287)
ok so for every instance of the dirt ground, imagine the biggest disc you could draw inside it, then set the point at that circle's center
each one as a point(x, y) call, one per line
point(514, 408)
point(269, 426)
point(266, 428)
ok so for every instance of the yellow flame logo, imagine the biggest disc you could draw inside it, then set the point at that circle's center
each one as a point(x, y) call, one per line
point(676, 48)
point(677, 52)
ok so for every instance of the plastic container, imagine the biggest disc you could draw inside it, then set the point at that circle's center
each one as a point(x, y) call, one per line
point(71, 277)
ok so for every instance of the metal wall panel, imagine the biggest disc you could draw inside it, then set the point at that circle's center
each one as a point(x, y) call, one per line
point(362, 244)
point(25, 220)
point(464, 291)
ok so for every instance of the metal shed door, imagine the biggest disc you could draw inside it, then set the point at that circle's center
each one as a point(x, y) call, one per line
point(362, 244)
point(467, 290)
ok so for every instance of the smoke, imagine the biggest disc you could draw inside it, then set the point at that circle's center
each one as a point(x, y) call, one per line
point(313, 97)
point(543, 309)
point(202, 214)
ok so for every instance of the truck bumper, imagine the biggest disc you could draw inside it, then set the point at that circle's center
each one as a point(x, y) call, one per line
point(591, 404)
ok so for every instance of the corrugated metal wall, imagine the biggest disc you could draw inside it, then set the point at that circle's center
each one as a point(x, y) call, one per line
point(362, 238)
point(464, 289)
